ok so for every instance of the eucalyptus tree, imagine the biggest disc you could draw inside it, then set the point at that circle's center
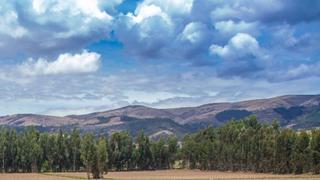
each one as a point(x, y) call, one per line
point(88, 152)
point(315, 150)
point(144, 154)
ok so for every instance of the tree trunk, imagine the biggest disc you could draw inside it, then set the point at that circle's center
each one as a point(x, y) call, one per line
point(3, 166)
point(34, 167)
point(88, 171)
point(74, 162)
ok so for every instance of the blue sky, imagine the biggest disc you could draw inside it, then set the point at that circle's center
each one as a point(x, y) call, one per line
point(63, 57)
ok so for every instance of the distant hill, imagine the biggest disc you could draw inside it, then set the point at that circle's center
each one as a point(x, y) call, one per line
point(294, 111)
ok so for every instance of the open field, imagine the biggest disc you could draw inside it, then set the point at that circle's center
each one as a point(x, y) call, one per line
point(158, 175)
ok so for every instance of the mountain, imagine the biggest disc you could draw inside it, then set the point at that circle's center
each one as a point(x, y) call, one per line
point(294, 111)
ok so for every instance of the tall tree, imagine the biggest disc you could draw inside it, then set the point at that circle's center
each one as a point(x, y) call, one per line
point(284, 151)
point(301, 154)
point(29, 150)
point(160, 154)
point(11, 153)
point(3, 147)
point(88, 152)
point(75, 149)
point(120, 150)
point(61, 147)
point(172, 150)
point(102, 156)
point(45, 149)
point(144, 159)
point(315, 150)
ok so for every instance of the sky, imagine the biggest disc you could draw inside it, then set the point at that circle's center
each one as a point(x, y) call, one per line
point(61, 57)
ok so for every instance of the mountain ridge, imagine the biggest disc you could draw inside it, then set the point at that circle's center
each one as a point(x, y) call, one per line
point(295, 111)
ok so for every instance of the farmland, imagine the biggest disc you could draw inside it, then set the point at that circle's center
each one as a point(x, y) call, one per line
point(159, 174)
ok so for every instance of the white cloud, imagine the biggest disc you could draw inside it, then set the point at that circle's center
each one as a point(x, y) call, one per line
point(238, 46)
point(9, 25)
point(172, 8)
point(248, 10)
point(77, 16)
point(67, 63)
point(160, 28)
point(91, 8)
point(227, 12)
point(76, 111)
point(49, 27)
point(194, 32)
point(98, 92)
point(298, 72)
point(231, 27)
point(145, 31)
point(150, 97)
point(145, 11)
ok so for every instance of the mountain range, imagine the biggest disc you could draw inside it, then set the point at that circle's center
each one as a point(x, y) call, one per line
point(293, 111)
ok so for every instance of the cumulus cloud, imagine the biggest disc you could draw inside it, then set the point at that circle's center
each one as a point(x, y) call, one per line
point(192, 42)
point(147, 11)
point(231, 27)
point(172, 8)
point(185, 30)
point(152, 30)
point(88, 8)
point(275, 11)
point(41, 27)
point(138, 33)
point(194, 32)
point(9, 25)
point(157, 29)
point(242, 57)
point(67, 63)
point(237, 43)
point(239, 46)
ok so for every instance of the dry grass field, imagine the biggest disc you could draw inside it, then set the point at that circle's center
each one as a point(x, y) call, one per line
point(159, 175)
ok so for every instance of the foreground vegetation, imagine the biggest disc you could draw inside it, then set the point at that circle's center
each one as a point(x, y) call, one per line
point(245, 145)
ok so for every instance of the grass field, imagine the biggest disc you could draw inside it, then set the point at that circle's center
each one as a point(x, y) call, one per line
point(158, 175)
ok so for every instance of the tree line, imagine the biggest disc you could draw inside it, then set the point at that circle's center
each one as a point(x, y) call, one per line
point(32, 151)
point(248, 145)
point(244, 145)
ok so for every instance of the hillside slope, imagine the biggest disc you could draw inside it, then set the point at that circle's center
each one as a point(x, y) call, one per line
point(296, 111)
